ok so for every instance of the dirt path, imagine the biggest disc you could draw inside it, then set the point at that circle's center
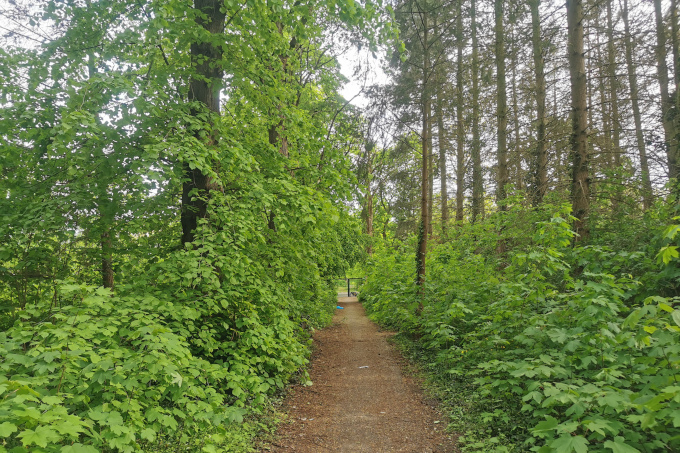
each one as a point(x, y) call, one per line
point(360, 400)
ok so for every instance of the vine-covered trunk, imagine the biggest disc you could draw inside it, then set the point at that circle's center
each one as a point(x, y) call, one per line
point(204, 88)
point(580, 187)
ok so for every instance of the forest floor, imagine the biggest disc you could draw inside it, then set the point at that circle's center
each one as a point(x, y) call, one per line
point(362, 399)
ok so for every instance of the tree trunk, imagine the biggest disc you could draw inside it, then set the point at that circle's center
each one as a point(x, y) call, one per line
point(501, 108)
point(421, 254)
point(430, 165)
point(579, 136)
point(460, 125)
point(104, 204)
point(369, 194)
point(516, 161)
point(674, 44)
point(204, 88)
point(632, 81)
point(607, 151)
point(614, 87)
point(477, 177)
point(540, 160)
point(442, 143)
point(443, 146)
point(670, 141)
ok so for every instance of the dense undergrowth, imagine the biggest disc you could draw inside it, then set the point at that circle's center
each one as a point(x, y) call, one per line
point(188, 351)
point(536, 345)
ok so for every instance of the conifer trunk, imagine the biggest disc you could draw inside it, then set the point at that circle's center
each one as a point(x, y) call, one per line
point(442, 143)
point(613, 88)
point(501, 107)
point(580, 189)
point(540, 158)
point(460, 124)
point(632, 82)
point(443, 146)
point(421, 254)
point(666, 101)
point(477, 177)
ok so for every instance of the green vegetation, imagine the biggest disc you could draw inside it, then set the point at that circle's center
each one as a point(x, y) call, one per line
point(173, 180)
point(545, 347)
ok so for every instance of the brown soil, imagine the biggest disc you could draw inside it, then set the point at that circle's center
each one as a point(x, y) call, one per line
point(360, 400)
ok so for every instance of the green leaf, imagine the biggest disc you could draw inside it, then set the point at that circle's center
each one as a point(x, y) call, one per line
point(41, 436)
point(148, 434)
point(550, 423)
point(78, 448)
point(7, 428)
point(666, 254)
point(619, 446)
point(676, 316)
point(567, 444)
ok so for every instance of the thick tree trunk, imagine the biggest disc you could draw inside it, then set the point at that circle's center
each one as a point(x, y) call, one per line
point(477, 177)
point(421, 254)
point(580, 189)
point(632, 82)
point(204, 88)
point(460, 122)
point(540, 158)
point(501, 108)
point(670, 141)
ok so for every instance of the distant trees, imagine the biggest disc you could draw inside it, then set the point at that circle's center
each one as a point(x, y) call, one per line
point(541, 99)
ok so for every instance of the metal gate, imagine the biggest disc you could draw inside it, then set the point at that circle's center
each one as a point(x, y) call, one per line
point(348, 287)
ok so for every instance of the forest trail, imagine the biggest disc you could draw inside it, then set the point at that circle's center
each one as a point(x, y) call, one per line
point(360, 400)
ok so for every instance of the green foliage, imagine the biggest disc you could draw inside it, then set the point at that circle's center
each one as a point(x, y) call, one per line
point(547, 348)
point(187, 344)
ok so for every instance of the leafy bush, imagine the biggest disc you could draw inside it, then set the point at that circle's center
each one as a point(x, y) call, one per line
point(555, 349)
point(103, 371)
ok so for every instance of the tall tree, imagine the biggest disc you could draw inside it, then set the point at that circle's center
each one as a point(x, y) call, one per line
point(442, 139)
point(204, 92)
point(460, 121)
point(421, 254)
point(580, 185)
point(540, 157)
point(635, 101)
point(613, 87)
point(501, 106)
point(670, 140)
point(476, 148)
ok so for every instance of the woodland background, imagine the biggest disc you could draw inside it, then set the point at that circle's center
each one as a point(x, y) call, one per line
point(183, 183)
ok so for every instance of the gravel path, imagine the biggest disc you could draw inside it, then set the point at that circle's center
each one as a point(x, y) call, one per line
point(360, 400)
